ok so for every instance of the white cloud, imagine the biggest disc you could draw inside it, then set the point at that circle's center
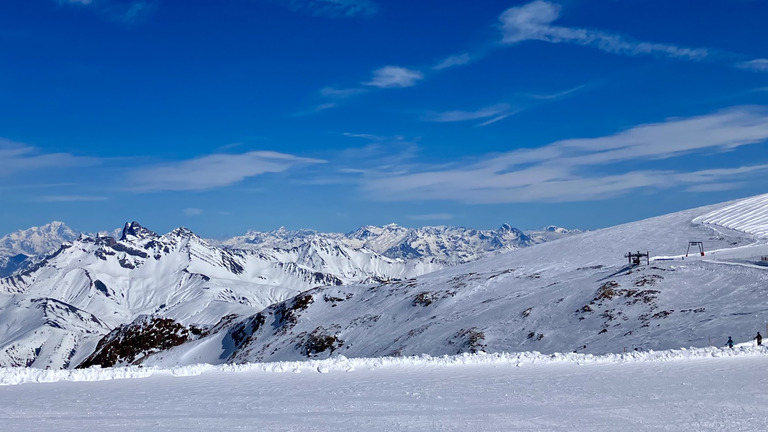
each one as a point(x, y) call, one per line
point(533, 21)
point(452, 61)
point(17, 157)
point(757, 65)
point(586, 169)
point(459, 115)
point(81, 2)
point(192, 211)
point(394, 77)
point(333, 8)
point(341, 93)
point(212, 171)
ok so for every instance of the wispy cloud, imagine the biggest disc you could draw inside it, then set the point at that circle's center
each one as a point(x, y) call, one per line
point(459, 115)
point(533, 21)
point(125, 11)
point(341, 93)
point(69, 198)
point(453, 61)
point(498, 112)
point(585, 169)
point(390, 153)
point(332, 8)
point(17, 157)
point(394, 77)
point(757, 65)
point(192, 211)
point(212, 171)
point(558, 95)
point(715, 187)
point(370, 137)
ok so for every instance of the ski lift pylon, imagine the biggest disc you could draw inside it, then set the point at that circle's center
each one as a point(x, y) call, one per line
point(695, 245)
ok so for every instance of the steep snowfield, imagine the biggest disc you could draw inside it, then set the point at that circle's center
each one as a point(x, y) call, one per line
point(693, 390)
point(749, 216)
point(575, 294)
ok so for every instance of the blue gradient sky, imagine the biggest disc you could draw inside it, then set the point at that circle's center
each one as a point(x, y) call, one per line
point(331, 114)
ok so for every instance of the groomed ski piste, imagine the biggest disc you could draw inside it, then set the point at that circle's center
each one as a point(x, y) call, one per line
point(683, 390)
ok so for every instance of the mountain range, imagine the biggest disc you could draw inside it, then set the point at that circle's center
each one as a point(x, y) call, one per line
point(178, 299)
point(54, 310)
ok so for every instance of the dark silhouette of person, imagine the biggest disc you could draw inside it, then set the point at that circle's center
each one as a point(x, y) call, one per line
point(759, 339)
point(730, 342)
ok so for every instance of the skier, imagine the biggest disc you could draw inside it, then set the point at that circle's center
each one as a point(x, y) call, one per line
point(759, 339)
point(730, 342)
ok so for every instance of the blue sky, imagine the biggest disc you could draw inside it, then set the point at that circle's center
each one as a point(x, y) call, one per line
point(332, 114)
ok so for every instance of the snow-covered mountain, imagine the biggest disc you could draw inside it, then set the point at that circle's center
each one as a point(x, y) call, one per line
point(177, 299)
point(449, 245)
point(53, 313)
point(17, 249)
point(574, 294)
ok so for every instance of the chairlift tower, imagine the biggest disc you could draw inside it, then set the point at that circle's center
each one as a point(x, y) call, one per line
point(695, 245)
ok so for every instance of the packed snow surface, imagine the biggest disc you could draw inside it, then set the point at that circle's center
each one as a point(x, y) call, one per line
point(748, 215)
point(708, 389)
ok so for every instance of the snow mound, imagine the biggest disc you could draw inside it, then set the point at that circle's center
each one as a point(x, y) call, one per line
point(748, 215)
point(15, 376)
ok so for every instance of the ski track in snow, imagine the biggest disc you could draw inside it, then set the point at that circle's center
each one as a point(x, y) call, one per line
point(708, 389)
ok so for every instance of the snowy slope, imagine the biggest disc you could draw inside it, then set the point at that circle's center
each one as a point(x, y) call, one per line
point(693, 390)
point(749, 215)
point(575, 294)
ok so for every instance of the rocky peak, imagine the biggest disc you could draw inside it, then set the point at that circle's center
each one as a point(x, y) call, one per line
point(134, 229)
point(505, 227)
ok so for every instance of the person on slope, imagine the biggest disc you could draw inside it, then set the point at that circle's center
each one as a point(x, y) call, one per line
point(759, 339)
point(730, 342)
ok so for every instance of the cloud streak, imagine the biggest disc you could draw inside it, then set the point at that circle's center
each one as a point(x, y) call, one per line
point(69, 198)
point(16, 157)
point(756, 65)
point(394, 77)
point(212, 171)
point(533, 21)
point(453, 61)
point(459, 115)
point(586, 169)
point(332, 8)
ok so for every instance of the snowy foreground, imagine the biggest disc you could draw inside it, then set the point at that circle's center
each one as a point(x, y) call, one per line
point(678, 390)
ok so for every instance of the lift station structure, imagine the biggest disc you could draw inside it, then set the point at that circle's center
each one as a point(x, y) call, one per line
point(695, 245)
